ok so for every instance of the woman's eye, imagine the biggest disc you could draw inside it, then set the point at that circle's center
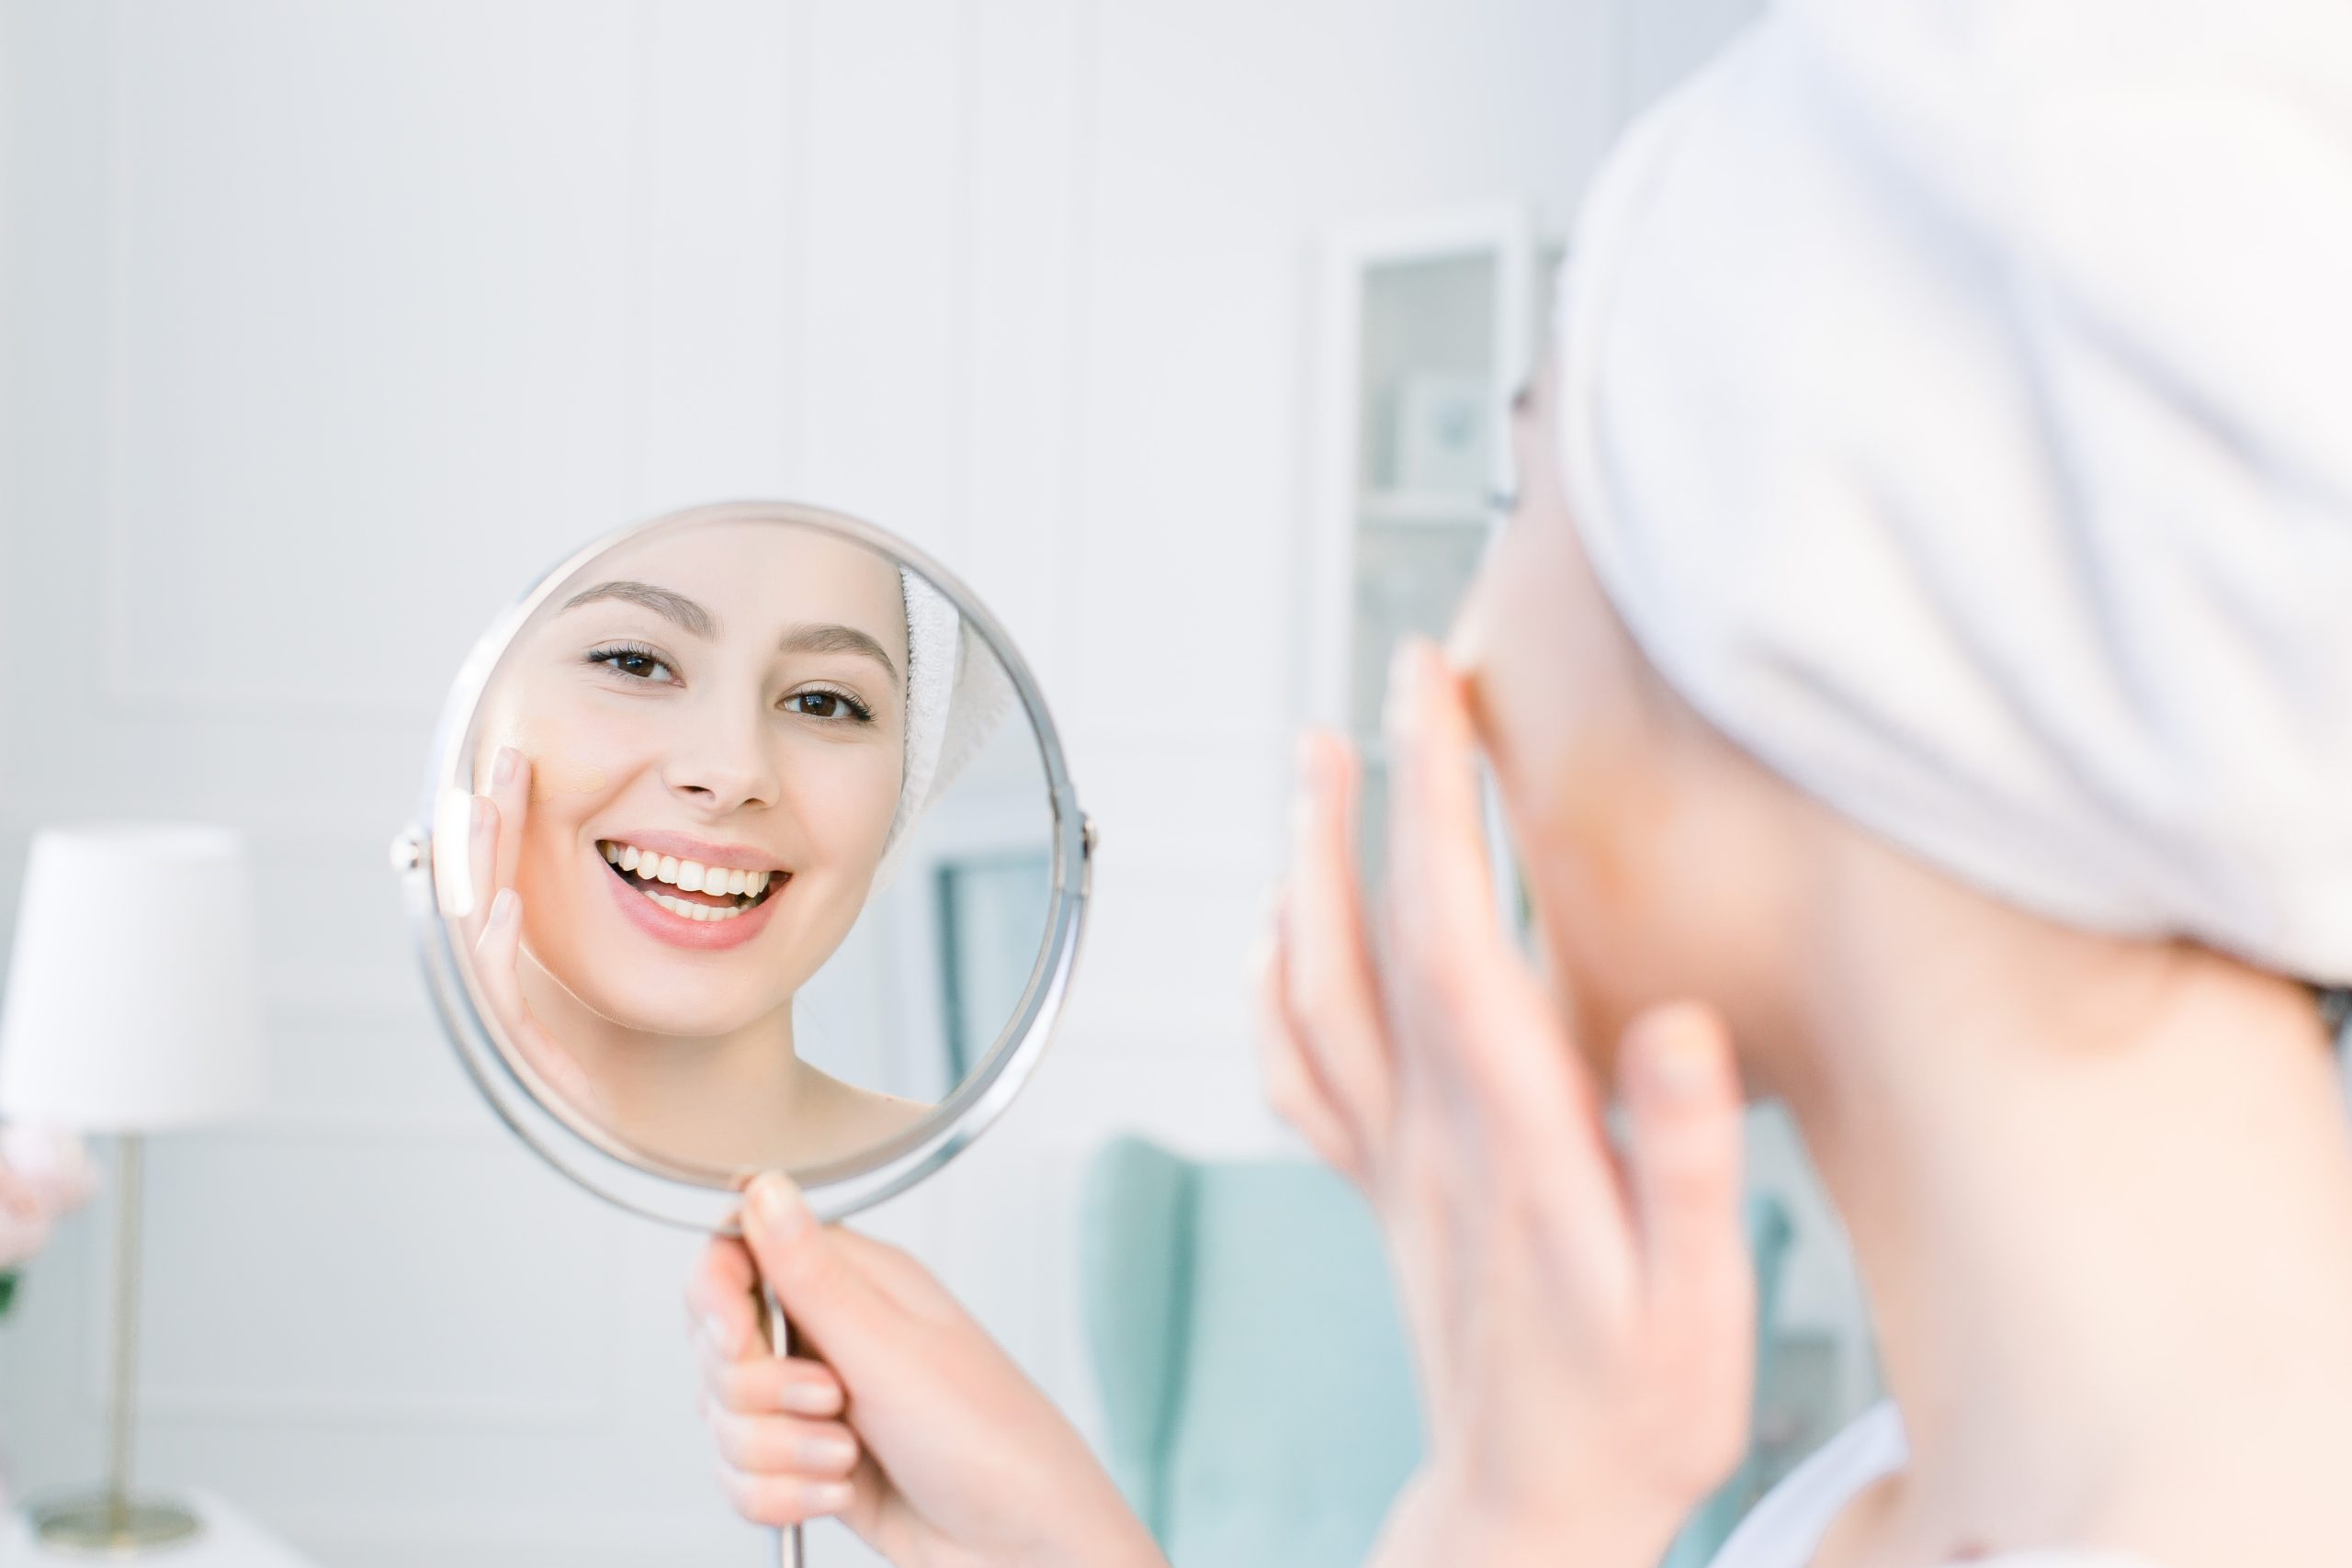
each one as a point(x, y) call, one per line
point(642, 666)
point(824, 704)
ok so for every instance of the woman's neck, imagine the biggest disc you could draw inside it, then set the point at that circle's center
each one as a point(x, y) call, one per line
point(712, 1100)
point(2100, 1195)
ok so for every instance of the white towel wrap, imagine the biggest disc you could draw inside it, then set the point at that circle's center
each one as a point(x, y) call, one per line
point(1957, 406)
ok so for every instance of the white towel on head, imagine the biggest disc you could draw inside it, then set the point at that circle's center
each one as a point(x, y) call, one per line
point(1956, 402)
point(956, 695)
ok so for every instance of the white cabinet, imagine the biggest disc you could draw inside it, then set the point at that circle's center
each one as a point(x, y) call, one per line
point(1428, 326)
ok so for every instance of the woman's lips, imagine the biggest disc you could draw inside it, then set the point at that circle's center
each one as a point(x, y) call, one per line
point(682, 930)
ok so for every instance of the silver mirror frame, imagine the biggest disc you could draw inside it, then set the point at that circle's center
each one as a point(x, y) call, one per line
point(704, 1201)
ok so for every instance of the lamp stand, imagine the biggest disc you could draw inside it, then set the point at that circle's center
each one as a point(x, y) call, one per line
point(113, 1523)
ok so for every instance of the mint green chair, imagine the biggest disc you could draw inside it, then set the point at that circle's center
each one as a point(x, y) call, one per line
point(1256, 1383)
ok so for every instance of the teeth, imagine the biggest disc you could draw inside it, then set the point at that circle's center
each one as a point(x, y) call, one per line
point(692, 911)
point(686, 875)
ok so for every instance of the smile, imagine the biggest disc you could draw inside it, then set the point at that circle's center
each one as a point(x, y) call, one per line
point(688, 889)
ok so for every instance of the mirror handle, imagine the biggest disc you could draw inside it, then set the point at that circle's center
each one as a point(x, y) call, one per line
point(779, 1329)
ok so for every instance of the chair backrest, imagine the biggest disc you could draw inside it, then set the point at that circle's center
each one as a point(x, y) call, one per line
point(1256, 1381)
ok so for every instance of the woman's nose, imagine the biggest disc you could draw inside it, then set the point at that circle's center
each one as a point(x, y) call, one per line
point(723, 763)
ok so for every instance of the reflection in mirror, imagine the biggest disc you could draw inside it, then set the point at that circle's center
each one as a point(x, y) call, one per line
point(756, 858)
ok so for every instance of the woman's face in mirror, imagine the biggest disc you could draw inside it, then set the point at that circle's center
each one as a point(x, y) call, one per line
point(714, 718)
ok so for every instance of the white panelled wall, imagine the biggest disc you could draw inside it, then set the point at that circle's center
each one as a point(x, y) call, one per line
point(328, 325)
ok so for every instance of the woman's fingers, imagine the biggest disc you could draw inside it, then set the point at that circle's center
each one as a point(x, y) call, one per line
point(510, 790)
point(832, 1302)
point(498, 957)
point(780, 1500)
point(1440, 885)
point(482, 861)
point(1328, 989)
point(762, 1384)
point(1291, 1087)
point(1683, 1099)
point(771, 1444)
point(720, 1298)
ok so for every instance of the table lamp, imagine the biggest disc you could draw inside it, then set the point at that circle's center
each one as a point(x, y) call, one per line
point(131, 1006)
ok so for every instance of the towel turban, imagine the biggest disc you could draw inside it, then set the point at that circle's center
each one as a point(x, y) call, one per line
point(1956, 405)
point(957, 694)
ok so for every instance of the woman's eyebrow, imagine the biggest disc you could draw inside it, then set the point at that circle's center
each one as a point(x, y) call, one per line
point(689, 615)
point(831, 636)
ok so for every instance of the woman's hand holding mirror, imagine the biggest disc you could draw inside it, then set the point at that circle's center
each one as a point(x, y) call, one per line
point(1583, 1321)
point(917, 1430)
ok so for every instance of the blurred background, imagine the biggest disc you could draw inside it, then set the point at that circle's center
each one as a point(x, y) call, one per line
point(1181, 330)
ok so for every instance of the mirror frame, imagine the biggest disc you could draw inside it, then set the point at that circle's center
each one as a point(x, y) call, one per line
point(707, 1200)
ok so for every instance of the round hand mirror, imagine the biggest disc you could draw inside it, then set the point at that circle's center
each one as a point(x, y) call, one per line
point(746, 844)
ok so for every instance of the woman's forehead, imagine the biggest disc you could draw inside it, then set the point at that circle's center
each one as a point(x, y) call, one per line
point(755, 579)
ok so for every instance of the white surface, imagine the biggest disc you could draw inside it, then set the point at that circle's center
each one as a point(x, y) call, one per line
point(132, 1001)
point(325, 327)
point(230, 1540)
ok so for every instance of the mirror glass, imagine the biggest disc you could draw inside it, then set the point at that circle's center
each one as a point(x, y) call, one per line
point(744, 846)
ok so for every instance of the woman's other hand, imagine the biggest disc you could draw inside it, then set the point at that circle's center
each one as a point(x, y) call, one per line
point(494, 929)
point(1582, 1318)
point(914, 1428)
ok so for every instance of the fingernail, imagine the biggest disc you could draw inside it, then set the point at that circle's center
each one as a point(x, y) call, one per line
point(502, 909)
point(722, 1338)
point(1678, 1067)
point(777, 1205)
point(827, 1450)
point(829, 1496)
point(1408, 669)
point(483, 814)
point(501, 767)
point(801, 1398)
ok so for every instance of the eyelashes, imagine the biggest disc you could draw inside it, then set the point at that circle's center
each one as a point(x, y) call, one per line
point(635, 662)
point(855, 712)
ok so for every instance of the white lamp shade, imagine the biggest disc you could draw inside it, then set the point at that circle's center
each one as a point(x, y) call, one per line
point(132, 1003)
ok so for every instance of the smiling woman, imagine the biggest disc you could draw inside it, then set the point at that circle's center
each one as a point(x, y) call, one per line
point(697, 758)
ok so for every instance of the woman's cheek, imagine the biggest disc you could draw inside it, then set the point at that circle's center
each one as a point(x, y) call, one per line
point(574, 755)
point(852, 800)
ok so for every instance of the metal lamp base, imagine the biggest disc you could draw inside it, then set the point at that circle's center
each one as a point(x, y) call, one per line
point(103, 1526)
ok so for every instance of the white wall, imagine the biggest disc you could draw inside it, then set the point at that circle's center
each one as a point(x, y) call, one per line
point(325, 326)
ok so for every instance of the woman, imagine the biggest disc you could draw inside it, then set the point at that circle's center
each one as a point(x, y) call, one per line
point(1918, 678)
point(695, 762)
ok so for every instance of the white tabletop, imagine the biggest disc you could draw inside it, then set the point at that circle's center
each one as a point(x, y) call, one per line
point(230, 1540)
